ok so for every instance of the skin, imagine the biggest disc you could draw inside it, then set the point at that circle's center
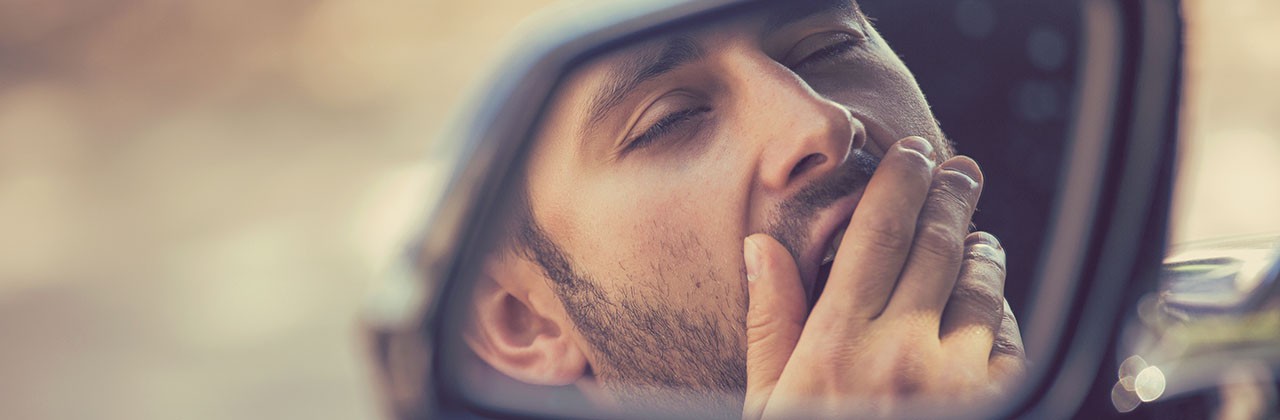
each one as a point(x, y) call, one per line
point(677, 270)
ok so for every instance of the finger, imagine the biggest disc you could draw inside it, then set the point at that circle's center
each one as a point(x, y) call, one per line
point(878, 239)
point(975, 310)
point(937, 250)
point(775, 317)
point(1008, 356)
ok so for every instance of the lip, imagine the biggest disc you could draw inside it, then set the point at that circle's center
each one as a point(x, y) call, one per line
point(836, 216)
point(828, 222)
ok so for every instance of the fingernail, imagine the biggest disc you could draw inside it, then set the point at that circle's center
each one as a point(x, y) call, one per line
point(918, 144)
point(751, 253)
point(984, 238)
point(963, 165)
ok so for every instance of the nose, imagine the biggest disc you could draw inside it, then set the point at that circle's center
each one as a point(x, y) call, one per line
point(804, 135)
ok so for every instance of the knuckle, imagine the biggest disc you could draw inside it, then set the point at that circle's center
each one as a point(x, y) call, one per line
point(901, 366)
point(888, 236)
point(757, 325)
point(940, 241)
point(982, 295)
point(909, 374)
point(945, 201)
point(1009, 340)
point(908, 383)
point(761, 327)
point(1007, 345)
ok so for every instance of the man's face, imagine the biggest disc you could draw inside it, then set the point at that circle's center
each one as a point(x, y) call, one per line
point(656, 160)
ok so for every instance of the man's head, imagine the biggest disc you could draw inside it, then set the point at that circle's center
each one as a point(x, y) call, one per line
point(624, 270)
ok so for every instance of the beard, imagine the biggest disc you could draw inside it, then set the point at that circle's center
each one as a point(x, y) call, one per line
point(683, 361)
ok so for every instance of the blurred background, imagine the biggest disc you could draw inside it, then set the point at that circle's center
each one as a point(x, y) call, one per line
point(197, 197)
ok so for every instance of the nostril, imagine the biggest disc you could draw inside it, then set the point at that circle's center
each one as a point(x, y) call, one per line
point(808, 162)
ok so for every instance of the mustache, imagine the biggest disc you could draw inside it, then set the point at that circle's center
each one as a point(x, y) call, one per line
point(790, 223)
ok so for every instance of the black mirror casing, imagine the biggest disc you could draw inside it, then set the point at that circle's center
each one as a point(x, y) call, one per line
point(1104, 248)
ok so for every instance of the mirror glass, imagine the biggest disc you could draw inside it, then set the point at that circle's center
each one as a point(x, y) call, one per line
point(819, 207)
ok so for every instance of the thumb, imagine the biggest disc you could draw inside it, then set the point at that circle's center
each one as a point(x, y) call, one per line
point(775, 317)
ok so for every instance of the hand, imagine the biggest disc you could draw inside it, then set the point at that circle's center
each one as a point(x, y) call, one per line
point(913, 307)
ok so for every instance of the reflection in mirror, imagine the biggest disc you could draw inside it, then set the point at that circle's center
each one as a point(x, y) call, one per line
point(762, 215)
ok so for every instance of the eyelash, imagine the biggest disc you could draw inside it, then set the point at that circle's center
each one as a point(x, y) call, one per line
point(828, 53)
point(673, 120)
point(665, 126)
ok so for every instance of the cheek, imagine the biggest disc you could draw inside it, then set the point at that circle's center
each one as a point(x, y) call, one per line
point(895, 103)
point(881, 88)
point(908, 112)
point(675, 237)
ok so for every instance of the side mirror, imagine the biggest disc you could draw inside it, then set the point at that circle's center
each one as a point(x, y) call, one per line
point(588, 256)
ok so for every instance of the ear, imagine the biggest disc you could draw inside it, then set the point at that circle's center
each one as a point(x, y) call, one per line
point(520, 328)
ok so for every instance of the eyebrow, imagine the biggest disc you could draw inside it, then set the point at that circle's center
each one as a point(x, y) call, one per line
point(640, 68)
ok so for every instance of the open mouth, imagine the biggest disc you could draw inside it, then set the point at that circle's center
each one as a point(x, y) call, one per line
point(824, 268)
point(833, 200)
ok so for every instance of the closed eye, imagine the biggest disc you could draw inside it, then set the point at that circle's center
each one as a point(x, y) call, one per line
point(663, 127)
point(827, 54)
